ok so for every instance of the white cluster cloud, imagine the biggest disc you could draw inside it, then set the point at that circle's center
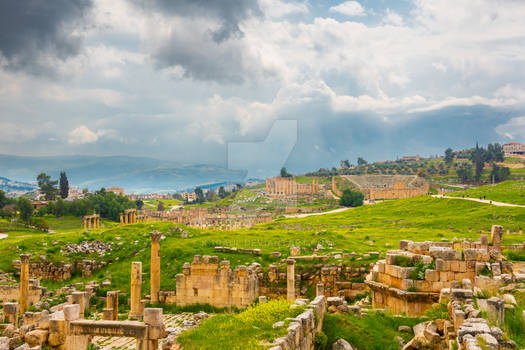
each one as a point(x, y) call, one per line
point(169, 74)
point(349, 8)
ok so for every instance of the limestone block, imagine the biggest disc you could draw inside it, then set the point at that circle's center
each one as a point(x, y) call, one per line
point(431, 275)
point(496, 269)
point(38, 337)
point(440, 265)
point(153, 316)
point(403, 244)
point(341, 344)
point(72, 312)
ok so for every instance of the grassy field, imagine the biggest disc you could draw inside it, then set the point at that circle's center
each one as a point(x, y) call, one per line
point(376, 227)
point(507, 192)
point(168, 203)
point(245, 330)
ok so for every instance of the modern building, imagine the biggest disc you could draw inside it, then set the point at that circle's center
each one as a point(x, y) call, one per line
point(514, 150)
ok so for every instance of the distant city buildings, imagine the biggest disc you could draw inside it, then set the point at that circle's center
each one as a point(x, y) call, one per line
point(411, 158)
point(514, 150)
point(117, 191)
point(135, 197)
point(189, 196)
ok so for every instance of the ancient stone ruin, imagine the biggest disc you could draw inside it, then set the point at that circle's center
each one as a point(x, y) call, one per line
point(287, 186)
point(411, 278)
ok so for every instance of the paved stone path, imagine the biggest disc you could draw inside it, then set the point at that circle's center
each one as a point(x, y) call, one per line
point(120, 343)
point(486, 201)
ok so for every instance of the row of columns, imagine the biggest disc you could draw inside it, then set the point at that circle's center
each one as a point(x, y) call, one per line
point(128, 217)
point(91, 222)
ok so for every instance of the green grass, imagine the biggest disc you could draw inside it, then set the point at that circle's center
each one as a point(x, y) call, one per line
point(168, 203)
point(370, 332)
point(376, 227)
point(514, 324)
point(514, 255)
point(508, 192)
point(245, 330)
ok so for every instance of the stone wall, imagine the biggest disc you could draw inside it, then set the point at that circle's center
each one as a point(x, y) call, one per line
point(12, 293)
point(302, 330)
point(204, 282)
point(61, 271)
point(398, 285)
point(287, 186)
point(389, 186)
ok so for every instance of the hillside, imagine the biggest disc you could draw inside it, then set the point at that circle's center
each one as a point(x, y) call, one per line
point(376, 227)
point(135, 174)
point(7, 186)
point(508, 192)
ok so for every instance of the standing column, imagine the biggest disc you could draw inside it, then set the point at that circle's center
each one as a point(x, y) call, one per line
point(134, 216)
point(85, 223)
point(497, 234)
point(24, 283)
point(121, 219)
point(290, 280)
point(136, 289)
point(319, 290)
point(155, 266)
point(126, 216)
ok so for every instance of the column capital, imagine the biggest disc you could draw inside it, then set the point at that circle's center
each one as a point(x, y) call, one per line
point(155, 236)
point(24, 258)
point(290, 261)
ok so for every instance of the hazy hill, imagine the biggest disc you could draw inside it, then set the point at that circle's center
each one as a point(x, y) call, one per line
point(135, 174)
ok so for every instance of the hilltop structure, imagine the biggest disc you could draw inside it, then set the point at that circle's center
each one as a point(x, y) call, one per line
point(514, 150)
point(389, 186)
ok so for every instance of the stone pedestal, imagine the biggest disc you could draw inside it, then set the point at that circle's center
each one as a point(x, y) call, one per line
point(319, 290)
point(497, 235)
point(10, 313)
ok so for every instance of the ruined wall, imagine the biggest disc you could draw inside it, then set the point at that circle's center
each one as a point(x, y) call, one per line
point(204, 282)
point(61, 271)
point(389, 186)
point(302, 330)
point(399, 190)
point(287, 186)
point(398, 288)
point(12, 293)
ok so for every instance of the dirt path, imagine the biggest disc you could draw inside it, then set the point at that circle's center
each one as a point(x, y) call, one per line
point(486, 201)
point(316, 214)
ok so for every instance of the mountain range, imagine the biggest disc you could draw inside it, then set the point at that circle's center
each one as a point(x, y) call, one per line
point(135, 174)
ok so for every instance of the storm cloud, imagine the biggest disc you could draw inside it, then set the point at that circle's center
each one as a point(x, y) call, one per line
point(34, 33)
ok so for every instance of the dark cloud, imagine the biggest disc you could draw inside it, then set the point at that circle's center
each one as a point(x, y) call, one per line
point(33, 30)
point(206, 53)
point(229, 12)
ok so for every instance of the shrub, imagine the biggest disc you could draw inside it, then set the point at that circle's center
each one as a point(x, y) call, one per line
point(485, 272)
point(515, 255)
point(351, 198)
point(437, 311)
point(320, 341)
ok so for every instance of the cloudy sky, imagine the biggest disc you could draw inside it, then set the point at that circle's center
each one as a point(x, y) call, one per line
point(185, 80)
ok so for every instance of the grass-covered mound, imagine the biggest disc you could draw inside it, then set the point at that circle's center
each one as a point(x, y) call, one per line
point(370, 332)
point(507, 192)
point(246, 330)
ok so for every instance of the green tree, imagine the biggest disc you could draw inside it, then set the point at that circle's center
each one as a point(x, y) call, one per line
point(47, 186)
point(361, 161)
point(222, 192)
point(64, 185)
point(284, 172)
point(199, 195)
point(25, 209)
point(160, 206)
point(500, 173)
point(3, 199)
point(464, 173)
point(351, 198)
point(449, 156)
point(139, 203)
point(478, 157)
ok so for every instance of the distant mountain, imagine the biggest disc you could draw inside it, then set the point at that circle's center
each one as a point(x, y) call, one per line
point(135, 174)
point(7, 186)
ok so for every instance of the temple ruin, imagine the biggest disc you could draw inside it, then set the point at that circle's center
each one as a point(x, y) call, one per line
point(287, 186)
point(91, 222)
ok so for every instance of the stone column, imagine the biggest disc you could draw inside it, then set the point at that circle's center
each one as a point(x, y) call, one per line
point(111, 311)
point(152, 319)
point(85, 223)
point(497, 234)
point(78, 298)
point(290, 280)
point(319, 290)
point(121, 219)
point(126, 215)
point(24, 283)
point(74, 342)
point(155, 266)
point(136, 290)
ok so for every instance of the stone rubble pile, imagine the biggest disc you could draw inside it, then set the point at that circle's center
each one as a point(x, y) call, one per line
point(86, 247)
